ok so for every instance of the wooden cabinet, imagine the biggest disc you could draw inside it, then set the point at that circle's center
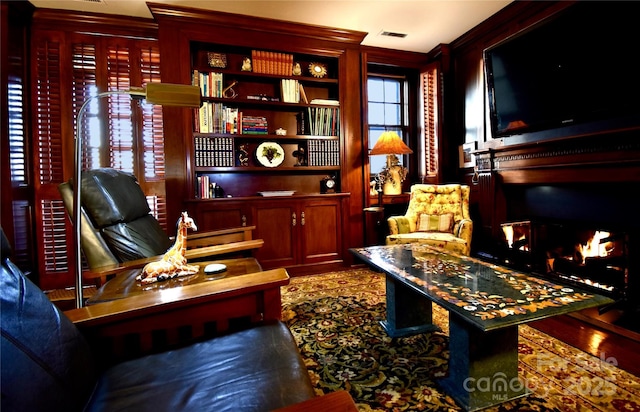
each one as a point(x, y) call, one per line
point(320, 138)
point(303, 230)
point(217, 214)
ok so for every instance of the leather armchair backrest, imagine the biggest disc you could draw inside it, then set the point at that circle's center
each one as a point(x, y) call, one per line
point(119, 215)
point(46, 362)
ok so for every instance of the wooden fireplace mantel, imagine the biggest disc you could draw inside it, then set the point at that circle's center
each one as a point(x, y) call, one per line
point(607, 157)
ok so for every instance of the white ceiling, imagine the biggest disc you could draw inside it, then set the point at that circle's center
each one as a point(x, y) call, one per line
point(427, 23)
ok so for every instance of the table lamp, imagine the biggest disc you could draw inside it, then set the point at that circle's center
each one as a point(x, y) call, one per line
point(392, 175)
point(163, 94)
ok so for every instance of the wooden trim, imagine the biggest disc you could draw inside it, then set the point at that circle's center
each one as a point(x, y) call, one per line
point(95, 23)
point(138, 307)
point(222, 20)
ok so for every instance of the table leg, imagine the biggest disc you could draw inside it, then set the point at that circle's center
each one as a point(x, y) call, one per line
point(408, 313)
point(483, 366)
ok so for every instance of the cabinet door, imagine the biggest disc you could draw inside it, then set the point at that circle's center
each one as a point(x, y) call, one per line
point(277, 223)
point(320, 229)
point(215, 215)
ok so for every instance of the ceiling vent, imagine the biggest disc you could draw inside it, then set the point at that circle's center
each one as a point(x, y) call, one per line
point(393, 34)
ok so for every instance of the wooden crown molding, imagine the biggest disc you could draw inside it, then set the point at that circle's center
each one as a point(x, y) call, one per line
point(255, 24)
point(95, 23)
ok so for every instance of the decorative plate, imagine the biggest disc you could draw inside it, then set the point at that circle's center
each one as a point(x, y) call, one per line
point(318, 70)
point(274, 193)
point(270, 154)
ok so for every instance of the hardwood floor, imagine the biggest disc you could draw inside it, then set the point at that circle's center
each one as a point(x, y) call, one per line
point(609, 343)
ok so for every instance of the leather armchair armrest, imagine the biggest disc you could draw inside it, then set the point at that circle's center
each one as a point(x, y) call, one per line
point(253, 297)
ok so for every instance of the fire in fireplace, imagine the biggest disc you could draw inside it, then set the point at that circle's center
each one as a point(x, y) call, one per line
point(595, 259)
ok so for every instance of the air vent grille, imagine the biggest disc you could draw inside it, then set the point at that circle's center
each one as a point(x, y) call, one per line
point(393, 34)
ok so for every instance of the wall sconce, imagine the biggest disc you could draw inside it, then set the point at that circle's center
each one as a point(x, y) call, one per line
point(392, 175)
point(163, 94)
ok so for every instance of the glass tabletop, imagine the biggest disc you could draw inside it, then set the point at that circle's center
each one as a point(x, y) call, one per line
point(487, 295)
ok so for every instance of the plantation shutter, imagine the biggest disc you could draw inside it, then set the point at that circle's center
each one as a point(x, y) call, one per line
point(117, 131)
point(430, 124)
point(49, 129)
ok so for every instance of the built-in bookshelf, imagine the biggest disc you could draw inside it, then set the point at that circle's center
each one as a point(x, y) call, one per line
point(264, 112)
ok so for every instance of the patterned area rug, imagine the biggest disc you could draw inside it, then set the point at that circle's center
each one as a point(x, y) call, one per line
point(335, 320)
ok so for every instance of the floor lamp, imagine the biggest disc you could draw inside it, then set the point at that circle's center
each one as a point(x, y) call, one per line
point(163, 94)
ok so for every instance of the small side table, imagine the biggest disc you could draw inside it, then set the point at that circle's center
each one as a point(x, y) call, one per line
point(374, 226)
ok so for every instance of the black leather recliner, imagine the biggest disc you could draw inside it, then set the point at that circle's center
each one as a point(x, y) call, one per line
point(48, 365)
point(117, 226)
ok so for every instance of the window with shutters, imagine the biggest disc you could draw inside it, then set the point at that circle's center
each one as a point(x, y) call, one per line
point(428, 164)
point(117, 131)
point(388, 111)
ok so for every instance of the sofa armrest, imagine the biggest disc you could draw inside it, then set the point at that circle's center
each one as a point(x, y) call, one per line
point(465, 230)
point(179, 315)
point(398, 224)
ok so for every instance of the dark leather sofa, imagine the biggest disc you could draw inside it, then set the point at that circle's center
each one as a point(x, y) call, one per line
point(48, 364)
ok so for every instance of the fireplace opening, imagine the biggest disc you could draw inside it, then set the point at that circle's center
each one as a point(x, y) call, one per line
point(592, 258)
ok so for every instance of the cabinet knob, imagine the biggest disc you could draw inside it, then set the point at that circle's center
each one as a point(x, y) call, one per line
point(293, 219)
point(244, 220)
point(302, 219)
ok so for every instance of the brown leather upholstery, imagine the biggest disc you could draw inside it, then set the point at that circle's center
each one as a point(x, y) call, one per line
point(116, 224)
point(48, 365)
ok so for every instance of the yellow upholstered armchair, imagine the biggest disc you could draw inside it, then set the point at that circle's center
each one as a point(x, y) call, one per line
point(437, 215)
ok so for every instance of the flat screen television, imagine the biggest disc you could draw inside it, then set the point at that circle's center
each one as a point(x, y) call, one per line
point(574, 73)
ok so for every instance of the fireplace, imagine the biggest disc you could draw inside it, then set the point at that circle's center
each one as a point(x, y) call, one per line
point(584, 235)
point(593, 259)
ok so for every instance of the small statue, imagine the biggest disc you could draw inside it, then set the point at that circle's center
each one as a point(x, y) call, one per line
point(243, 155)
point(173, 262)
point(246, 64)
point(300, 156)
point(297, 70)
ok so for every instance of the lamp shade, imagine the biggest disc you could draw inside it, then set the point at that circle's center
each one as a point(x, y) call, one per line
point(390, 143)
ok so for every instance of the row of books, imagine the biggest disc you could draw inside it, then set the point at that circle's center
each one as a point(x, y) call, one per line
point(290, 90)
point(218, 118)
point(216, 151)
point(267, 62)
point(206, 189)
point(253, 124)
point(323, 153)
point(210, 83)
point(319, 121)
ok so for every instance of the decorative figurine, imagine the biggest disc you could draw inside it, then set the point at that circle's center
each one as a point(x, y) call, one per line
point(297, 70)
point(243, 154)
point(173, 262)
point(301, 156)
point(246, 65)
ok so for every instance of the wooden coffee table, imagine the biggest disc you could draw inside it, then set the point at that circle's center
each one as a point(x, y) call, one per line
point(486, 303)
point(124, 284)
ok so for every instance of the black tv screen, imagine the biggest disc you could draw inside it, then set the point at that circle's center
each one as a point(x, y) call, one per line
point(573, 73)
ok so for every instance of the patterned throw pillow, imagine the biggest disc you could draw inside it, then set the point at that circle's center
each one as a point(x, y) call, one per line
point(435, 223)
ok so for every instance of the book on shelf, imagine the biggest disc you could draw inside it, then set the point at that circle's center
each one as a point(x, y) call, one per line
point(323, 152)
point(290, 90)
point(213, 151)
point(303, 95)
point(268, 62)
point(210, 83)
point(320, 121)
point(325, 102)
point(217, 118)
